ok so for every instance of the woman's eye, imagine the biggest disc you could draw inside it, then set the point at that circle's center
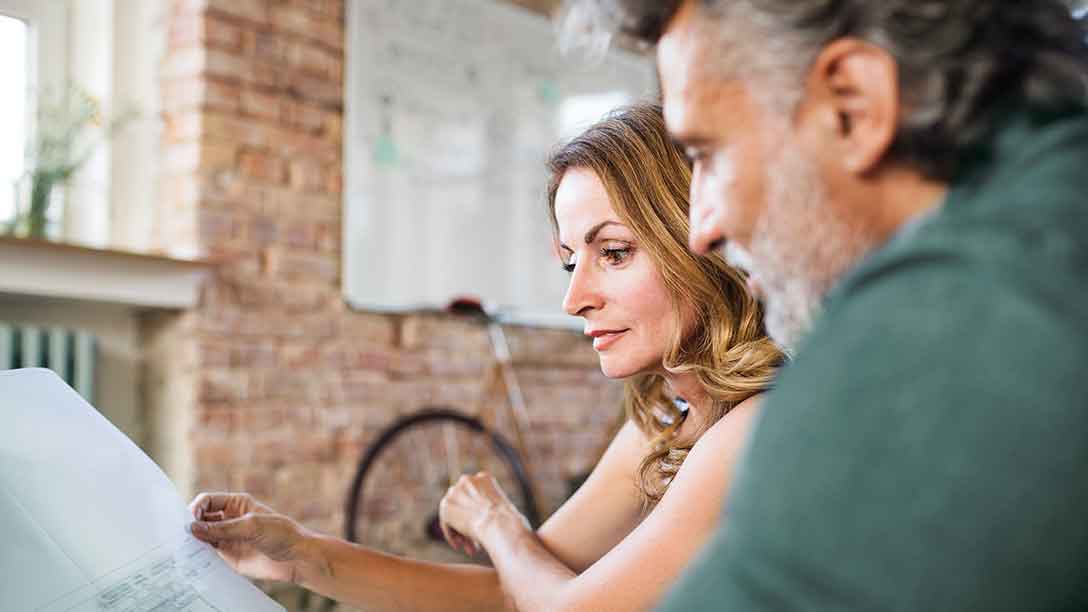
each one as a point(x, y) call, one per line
point(616, 256)
point(569, 265)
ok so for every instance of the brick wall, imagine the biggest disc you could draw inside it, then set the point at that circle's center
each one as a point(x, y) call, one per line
point(272, 384)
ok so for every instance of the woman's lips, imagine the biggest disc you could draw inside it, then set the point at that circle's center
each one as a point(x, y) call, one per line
point(604, 340)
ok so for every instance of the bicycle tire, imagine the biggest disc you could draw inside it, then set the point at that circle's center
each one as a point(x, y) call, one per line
point(435, 414)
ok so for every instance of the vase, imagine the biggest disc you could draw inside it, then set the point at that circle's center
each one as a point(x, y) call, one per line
point(41, 194)
point(38, 204)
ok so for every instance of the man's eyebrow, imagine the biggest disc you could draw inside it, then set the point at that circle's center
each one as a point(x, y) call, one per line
point(691, 140)
point(591, 235)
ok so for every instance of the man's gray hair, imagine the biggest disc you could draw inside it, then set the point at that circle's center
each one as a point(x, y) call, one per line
point(961, 62)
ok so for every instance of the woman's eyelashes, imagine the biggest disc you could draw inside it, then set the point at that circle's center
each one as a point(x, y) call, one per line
point(612, 254)
point(615, 255)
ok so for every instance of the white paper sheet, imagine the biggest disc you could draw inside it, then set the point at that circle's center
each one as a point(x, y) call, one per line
point(89, 523)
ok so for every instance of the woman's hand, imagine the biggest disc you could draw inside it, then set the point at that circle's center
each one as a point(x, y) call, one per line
point(251, 537)
point(473, 509)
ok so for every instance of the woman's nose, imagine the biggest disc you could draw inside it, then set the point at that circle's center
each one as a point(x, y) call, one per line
point(581, 293)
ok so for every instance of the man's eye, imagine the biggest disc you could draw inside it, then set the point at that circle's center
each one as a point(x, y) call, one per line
point(616, 256)
point(695, 155)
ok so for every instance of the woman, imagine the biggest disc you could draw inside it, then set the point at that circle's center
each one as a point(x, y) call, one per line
point(684, 333)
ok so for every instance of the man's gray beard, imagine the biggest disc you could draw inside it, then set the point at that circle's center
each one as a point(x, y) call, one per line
point(799, 247)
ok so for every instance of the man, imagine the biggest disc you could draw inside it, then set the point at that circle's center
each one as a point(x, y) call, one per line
point(907, 183)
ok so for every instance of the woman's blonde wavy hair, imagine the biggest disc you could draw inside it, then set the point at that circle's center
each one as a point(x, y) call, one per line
point(722, 341)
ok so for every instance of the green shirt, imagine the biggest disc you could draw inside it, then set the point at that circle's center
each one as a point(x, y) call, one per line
point(928, 448)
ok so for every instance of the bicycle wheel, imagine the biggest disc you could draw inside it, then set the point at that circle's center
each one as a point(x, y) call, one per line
point(392, 504)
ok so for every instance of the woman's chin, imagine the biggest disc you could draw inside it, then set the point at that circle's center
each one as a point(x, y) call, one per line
point(616, 369)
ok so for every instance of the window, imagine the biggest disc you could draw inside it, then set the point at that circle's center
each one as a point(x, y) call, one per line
point(33, 58)
point(108, 48)
point(14, 115)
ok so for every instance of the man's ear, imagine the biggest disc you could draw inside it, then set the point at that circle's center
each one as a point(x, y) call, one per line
point(853, 94)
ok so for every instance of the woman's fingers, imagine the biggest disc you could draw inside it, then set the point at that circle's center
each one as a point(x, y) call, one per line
point(231, 530)
point(454, 538)
point(219, 502)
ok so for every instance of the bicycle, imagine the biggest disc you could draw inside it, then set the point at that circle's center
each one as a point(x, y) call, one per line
point(459, 441)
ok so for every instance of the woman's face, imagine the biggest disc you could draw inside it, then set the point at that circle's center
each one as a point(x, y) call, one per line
point(614, 284)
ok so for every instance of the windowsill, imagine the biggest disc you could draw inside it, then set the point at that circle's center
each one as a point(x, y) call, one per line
point(39, 268)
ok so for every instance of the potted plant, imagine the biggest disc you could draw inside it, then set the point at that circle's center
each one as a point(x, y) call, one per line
point(69, 129)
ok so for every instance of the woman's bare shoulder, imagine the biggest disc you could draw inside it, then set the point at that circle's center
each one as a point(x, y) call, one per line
point(732, 430)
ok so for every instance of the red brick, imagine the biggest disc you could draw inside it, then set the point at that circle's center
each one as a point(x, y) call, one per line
point(329, 236)
point(318, 90)
point(258, 104)
point(305, 116)
point(263, 417)
point(228, 128)
point(295, 299)
point(261, 355)
point(334, 126)
point(270, 77)
point(255, 11)
point(299, 234)
point(293, 144)
point(216, 227)
point(261, 166)
point(272, 48)
point(217, 419)
point(372, 329)
point(306, 175)
point(316, 61)
point(302, 22)
point(334, 181)
point(221, 33)
point(295, 265)
point(222, 385)
point(227, 65)
point(221, 96)
point(213, 455)
point(262, 231)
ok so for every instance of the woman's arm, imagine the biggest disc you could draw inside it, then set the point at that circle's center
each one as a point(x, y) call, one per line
point(260, 543)
point(372, 580)
point(637, 572)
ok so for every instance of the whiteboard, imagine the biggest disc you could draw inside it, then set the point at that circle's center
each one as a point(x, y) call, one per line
point(451, 110)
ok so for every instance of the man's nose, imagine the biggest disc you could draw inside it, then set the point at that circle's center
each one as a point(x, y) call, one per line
point(706, 232)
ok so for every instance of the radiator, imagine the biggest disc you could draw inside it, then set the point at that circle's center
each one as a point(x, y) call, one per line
point(72, 354)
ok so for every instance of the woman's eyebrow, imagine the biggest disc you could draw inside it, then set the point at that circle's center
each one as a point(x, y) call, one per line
point(591, 235)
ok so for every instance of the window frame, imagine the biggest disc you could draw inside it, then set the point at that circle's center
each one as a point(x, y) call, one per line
point(47, 33)
point(47, 50)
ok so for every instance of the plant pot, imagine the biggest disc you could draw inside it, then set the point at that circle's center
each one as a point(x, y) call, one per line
point(37, 201)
